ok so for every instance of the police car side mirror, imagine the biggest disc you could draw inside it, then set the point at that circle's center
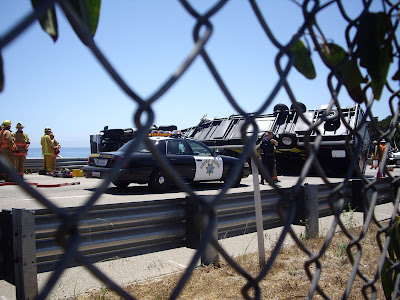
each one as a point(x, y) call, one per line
point(216, 152)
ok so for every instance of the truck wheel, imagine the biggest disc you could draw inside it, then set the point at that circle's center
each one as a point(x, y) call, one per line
point(302, 107)
point(280, 108)
point(398, 162)
point(159, 182)
point(287, 140)
point(121, 184)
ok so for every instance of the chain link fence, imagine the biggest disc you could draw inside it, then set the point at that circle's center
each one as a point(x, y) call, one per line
point(285, 61)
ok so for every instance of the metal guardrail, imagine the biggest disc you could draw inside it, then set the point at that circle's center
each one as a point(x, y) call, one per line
point(33, 165)
point(129, 229)
point(115, 230)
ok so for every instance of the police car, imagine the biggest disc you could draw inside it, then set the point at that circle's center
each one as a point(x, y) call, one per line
point(193, 160)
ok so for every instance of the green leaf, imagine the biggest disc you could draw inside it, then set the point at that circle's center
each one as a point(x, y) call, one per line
point(379, 72)
point(387, 280)
point(352, 77)
point(395, 238)
point(94, 14)
point(1, 74)
point(48, 21)
point(89, 13)
point(302, 60)
point(374, 51)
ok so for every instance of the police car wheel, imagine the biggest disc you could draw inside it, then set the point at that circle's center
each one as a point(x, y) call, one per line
point(236, 182)
point(121, 184)
point(158, 182)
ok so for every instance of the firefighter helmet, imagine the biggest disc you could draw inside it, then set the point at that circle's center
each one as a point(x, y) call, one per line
point(7, 123)
point(19, 125)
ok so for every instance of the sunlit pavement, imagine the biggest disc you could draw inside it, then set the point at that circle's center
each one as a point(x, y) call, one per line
point(75, 281)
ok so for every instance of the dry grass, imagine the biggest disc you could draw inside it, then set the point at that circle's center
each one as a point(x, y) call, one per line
point(286, 280)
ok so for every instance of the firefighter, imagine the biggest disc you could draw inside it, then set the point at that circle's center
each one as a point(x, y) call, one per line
point(7, 147)
point(47, 150)
point(56, 149)
point(22, 142)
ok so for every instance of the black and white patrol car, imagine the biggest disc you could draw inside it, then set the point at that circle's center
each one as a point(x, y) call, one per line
point(193, 160)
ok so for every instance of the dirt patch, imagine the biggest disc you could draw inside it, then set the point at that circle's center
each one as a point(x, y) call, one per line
point(286, 280)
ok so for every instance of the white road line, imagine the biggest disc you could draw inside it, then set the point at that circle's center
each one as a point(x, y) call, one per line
point(177, 264)
point(56, 198)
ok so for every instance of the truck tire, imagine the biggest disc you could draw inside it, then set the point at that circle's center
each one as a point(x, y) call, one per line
point(302, 107)
point(287, 140)
point(332, 122)
point(280, 108)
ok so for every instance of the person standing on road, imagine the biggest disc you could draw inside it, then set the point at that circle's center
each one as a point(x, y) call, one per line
point(22, 142)
point(56, 149)
point(380, 152)
point(47, 150)
point(374, 159)
point(7, 147)
point(266, 150)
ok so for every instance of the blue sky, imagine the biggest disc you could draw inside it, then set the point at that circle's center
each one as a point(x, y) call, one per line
point(61, 84)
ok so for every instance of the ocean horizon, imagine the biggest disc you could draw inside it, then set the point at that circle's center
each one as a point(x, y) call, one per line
point(65, 152)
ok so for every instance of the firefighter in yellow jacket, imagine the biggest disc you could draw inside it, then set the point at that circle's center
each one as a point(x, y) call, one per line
point(56, 149)
point(22, 142)
point(7, 147)
point(47, 150)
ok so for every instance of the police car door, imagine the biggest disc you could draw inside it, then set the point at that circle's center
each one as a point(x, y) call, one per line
point(179, 155)
point(208, 166)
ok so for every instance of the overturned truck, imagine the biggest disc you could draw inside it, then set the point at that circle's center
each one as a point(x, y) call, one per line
point(112, 139)
point(291, 131)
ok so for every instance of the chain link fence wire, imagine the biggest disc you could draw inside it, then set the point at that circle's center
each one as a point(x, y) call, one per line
point(68, 234)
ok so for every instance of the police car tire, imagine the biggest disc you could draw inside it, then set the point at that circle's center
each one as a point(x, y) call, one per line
point(158, 182)
point(236, 182)
point(287, 135)
point(121, 184)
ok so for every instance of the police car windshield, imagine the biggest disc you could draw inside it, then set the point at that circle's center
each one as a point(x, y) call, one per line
point(140, 148)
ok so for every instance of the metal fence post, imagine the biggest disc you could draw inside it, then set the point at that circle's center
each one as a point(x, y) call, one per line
point(194, 230)
point(311, 211)
point(259, 214)
point(24, 247)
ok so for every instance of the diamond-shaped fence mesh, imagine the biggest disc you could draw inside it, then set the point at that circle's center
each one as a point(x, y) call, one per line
point(286, 60)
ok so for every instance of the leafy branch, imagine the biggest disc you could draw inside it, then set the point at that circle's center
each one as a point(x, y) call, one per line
point(373, 44)
point(87, 11)
point(390, 271)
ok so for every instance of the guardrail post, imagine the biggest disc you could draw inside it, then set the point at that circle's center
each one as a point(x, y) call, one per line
point(24, 253)
point(194, 230)
point(6, 247)
point(311, 211)
point(357, 203)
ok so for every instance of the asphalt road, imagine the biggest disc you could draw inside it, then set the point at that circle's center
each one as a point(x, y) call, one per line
point(12, 196)
point(76, 281)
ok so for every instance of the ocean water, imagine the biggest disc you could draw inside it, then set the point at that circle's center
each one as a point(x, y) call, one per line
point(72, 152)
